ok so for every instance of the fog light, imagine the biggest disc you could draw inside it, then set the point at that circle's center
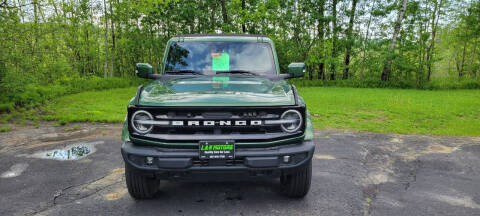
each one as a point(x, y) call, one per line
point(286, 158)
point(149, 160)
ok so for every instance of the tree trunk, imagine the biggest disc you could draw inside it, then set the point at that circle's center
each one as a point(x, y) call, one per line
point(419, 75)
point(435, 18)
point(112, 55)
point(321, 35)
point(212, 16)
point(388, 62)
point(105, 73)
point(65, 16)
point(35, 20)
point(472, 61)
point(55, 9)
point(462, 64)
point(310, 73)
point(224, 12)
point(366, 40)
point(334, 39)
point(457, 63)
point(350, 40)
point(244, 27)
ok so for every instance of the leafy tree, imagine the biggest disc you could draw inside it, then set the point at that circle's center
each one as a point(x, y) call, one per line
point(416, 42)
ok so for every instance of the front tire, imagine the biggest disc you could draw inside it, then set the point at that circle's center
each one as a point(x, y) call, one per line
point(140, 186)
point(296, 184)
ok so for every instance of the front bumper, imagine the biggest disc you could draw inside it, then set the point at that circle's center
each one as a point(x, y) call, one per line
point(170, 162)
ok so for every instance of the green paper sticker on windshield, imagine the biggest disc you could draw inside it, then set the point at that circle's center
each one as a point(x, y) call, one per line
point(221, 62)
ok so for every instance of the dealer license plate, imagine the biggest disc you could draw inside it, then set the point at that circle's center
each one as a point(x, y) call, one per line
point(217, 149)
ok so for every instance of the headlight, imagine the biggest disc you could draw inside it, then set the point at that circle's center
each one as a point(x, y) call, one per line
point(291, 121)
point(140, 121)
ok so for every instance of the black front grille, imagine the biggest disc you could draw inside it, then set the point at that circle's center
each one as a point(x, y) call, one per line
point(205, 123)
point(215, 130)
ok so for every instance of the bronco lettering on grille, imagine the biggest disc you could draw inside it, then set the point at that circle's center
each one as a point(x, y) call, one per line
point(220, 123)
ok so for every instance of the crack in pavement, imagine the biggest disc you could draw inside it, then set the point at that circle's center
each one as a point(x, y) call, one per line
point(84, 190)
point(360, 174)
point(397, 162)
point(370, 194)
point(379, 165)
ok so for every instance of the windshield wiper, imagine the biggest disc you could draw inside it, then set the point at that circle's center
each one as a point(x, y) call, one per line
point(238, 72)
point(183, 72)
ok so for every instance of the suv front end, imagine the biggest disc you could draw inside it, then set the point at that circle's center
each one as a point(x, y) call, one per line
point(215, 126)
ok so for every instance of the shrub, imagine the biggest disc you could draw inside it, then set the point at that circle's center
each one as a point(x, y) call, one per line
point(6, 107)
point(30, 94)
point(5, 128)
point(437, 84)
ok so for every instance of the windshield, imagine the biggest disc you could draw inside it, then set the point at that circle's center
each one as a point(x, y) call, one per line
point(215, 57)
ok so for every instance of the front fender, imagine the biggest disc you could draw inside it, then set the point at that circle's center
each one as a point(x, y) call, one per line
point(125, 133)
point(309, 127)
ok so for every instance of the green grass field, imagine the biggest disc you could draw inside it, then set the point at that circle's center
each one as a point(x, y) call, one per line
point(97, 106)
point(455, 112)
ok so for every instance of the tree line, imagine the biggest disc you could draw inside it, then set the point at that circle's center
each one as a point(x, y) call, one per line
point(42, 41)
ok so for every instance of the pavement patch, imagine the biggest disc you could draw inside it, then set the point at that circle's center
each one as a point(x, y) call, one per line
point(116, 194)
point(440, 149)
point(378, 178)
point(324, 157)
point(454, 200)
point(115, 176)
point(413, 154)
point(396, 140)
point(15, 170)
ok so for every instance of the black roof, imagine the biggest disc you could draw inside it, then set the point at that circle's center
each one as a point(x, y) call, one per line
point(220, 35)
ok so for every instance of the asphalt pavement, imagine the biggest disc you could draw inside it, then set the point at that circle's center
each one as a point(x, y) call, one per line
point(353, 174)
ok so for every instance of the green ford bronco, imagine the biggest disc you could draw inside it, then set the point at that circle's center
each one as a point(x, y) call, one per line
point(219, 109)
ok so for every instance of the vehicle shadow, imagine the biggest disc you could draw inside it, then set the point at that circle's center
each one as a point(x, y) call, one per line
point(220, 198)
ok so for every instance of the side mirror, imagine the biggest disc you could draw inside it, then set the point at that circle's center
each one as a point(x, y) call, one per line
point(143, 70)
point(296, 69)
